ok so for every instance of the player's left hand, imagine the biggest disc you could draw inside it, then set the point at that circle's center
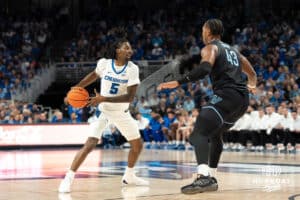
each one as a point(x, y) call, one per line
point(252, 89)
point(168, 85)
point(94, 101)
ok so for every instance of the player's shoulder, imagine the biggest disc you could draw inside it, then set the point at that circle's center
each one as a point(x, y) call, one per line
point(103, 61)
point(132, 66)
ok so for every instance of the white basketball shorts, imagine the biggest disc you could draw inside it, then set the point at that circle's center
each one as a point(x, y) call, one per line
point(121, 119)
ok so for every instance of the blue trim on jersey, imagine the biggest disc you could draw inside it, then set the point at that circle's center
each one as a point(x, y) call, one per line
point(114, 69)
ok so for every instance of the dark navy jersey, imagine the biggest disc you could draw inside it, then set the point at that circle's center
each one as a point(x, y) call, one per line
point(227, 70)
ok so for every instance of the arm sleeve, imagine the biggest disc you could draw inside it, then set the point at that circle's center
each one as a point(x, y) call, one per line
point(197, 73)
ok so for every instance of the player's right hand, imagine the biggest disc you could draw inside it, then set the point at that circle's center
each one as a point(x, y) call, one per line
point(251, 89)
point(76, 88)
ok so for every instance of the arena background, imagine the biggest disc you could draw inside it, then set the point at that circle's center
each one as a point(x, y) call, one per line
point(47, 46)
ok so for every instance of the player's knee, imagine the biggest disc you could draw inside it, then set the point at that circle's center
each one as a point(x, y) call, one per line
point(137, 146)
point(203, 131)
point(90, 144)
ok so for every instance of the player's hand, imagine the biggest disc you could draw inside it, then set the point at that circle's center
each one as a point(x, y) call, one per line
point(77, 88)
point(251, 89)
point(94, 101)
point(168, 85)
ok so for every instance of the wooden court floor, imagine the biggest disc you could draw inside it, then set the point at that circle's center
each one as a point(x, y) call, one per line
point(36, 174)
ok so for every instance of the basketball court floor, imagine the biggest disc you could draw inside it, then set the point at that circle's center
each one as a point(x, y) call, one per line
point(36, 174)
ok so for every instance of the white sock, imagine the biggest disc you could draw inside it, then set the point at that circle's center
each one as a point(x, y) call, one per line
point(70, 173)
point(212, 172)
point(129, 171)
point(177, 142)
point(203, 169)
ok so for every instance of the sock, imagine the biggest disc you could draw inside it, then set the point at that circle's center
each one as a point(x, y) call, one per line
point(129, 171)
point(203, 169)
point(70, 173)
point(212, 172)
point(177, 142)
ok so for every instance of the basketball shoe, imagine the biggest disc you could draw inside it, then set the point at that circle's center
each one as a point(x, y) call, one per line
point(130, 178)
point(201, 184)
point(65, 185)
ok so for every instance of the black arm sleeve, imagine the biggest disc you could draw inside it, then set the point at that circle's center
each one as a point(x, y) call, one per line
point(187, 63)
point(197, 73)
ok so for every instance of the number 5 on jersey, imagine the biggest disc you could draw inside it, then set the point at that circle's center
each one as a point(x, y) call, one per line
point(114, 88)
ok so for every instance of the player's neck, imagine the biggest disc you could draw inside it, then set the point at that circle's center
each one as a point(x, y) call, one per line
point(119, 62)
point(213, 39)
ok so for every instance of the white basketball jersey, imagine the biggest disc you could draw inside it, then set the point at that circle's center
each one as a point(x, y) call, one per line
point(115, 80)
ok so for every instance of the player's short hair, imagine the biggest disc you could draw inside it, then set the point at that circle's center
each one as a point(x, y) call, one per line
point(215, 26)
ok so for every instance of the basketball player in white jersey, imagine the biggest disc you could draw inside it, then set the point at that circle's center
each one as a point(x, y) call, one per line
point(119, 82)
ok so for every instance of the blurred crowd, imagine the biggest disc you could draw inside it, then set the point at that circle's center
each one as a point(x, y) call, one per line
point(154, 35)
point(22, 42)
point(12, 112)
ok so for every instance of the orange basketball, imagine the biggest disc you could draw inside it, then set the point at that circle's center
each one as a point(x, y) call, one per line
point(78, 97)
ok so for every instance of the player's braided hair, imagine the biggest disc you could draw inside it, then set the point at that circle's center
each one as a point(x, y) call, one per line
point(120, 36)
point(215, 26)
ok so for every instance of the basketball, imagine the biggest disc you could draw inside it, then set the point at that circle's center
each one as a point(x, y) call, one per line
point(78, 97)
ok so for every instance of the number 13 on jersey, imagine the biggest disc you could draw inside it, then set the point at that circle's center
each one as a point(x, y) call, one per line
point(114, 88)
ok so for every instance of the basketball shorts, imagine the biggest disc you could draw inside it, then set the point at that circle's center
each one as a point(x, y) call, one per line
point(121, 119)
point(230, 104)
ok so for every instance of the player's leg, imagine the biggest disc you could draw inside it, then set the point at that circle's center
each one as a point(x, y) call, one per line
point(81, 155)
point(96, 128)
point(207, 124)
point(211, 122)
point(216, 148)
point(129, 129)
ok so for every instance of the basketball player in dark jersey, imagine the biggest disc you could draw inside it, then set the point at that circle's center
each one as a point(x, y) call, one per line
point(224, 64)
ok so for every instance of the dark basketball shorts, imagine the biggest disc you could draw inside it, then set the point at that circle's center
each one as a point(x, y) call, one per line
point(229, 104)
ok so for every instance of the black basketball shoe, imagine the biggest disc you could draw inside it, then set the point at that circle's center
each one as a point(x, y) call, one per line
point(201, 184)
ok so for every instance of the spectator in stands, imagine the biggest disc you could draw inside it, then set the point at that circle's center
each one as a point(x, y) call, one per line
point(142, 122)
point(157, 52)
point(188, 104)
point(75, 114)
point(153, 101)
point(194, 50)
point(43, 118)
point(65, 109)
point(58, 117)
point(169, 126)
point(154, 131)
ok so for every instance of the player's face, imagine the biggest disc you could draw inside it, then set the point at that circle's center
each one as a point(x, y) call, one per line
point(125, 51)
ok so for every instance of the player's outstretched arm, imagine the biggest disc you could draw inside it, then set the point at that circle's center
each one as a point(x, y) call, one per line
point(208, 54)
point(250, 72)
point(88, 79)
